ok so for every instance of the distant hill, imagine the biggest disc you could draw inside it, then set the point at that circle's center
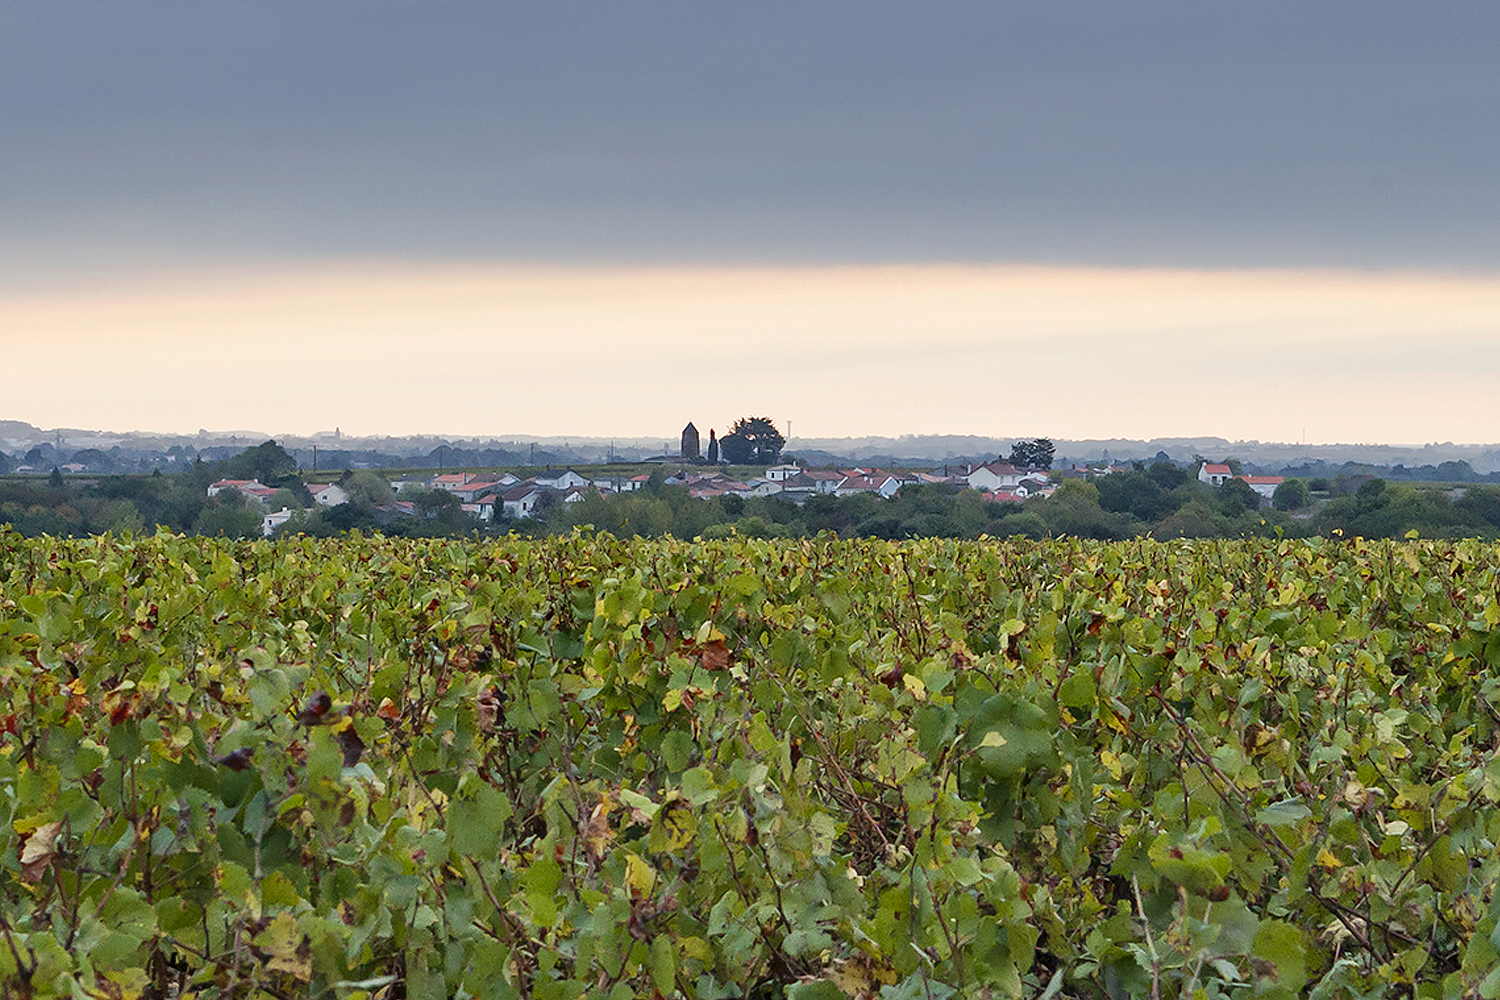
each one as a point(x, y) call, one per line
point(19, 430)
point(909, 450)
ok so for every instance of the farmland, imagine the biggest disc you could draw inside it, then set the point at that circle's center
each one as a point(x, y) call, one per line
point(369, 767)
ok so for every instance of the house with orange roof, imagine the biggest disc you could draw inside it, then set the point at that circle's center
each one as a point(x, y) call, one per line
point(214, 489)
point(1214, 474)
point(252, 488)
point(1264, 485)
point(483, 507)
point(480, 485)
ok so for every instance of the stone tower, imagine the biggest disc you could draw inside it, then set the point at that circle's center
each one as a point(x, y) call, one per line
point(690, 442)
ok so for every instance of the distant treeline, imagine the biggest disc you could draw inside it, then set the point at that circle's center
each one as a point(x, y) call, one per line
point(1443, 472)
point(121, 461)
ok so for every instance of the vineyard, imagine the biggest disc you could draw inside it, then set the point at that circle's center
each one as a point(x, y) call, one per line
point(379, 768)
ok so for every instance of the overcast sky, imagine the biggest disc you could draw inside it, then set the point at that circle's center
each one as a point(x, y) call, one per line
point(153, 150)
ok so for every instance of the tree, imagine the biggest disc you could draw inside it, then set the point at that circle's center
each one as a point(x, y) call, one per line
point(713, 448)
point(434, 502)
point(1236, 496)
point(267, 463)
point(1292, 494)
point(752, 441)
point(1035, 454)
point(1167, 475)
point(1482, 503)
point(368, 488)
point(56, 479)
point(235, 517)
point(1137, 493)
point(1371, 495)
point(289, 499)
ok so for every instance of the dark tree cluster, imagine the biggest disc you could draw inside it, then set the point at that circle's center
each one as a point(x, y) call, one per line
point(752, 441)
point(1034, 455)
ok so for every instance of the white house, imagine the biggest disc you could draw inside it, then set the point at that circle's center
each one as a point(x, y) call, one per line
point(995, 476)
point(762, 488)
point(252, 488)
point(271, 522)
point(214, 489)
point(781, 473)
point(798, 487)
point(885, 486)
point(824, 480)
point(1213, 474)
point(1264, 485)
point(485, 506)
point(1034, 487)
point(521, 501)
point(327, 494)
point(565, 480)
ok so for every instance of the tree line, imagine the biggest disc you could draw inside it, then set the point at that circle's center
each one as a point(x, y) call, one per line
point(1162, 500)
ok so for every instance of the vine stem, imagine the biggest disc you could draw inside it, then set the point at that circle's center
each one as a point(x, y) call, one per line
point(1150, 941)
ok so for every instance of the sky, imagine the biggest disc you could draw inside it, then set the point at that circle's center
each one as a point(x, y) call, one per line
point(1125, 219)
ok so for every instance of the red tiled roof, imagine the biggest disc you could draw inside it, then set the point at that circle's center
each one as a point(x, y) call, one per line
point(1211, 469)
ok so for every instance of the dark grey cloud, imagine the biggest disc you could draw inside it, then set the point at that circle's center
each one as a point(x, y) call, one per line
point(1357, 134)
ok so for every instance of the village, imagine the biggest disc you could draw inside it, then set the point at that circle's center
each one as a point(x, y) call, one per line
point(496, 496)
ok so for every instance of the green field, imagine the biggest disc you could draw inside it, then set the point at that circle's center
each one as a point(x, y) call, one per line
point(363, 767)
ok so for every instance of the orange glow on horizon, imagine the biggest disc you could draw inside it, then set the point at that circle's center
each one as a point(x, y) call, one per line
point(392, 348)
